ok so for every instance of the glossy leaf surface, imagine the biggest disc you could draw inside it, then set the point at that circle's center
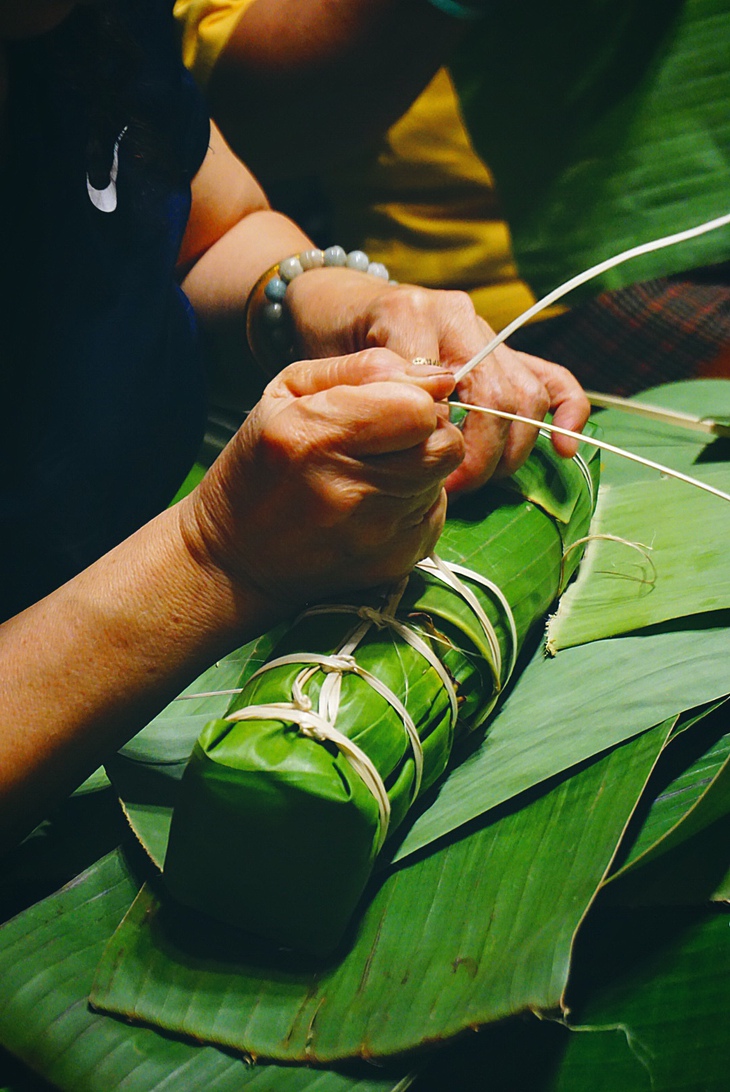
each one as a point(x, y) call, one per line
point(470, 933)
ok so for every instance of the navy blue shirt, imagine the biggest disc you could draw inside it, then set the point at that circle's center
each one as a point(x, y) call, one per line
point(103, 395)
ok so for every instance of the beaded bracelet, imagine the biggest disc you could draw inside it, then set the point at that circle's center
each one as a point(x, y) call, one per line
point(269, 329)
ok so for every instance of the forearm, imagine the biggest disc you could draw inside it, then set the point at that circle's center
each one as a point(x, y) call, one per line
point(87, 667)
point(232, 238)
point(334, 76)
point(219, 283)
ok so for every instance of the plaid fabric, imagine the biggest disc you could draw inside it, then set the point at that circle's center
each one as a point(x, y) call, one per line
point(637, 337)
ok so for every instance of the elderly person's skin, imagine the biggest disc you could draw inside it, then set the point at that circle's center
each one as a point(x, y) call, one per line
point(233, 238)
point(335, 482)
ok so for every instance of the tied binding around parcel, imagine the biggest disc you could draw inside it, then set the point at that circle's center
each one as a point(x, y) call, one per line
point(287, 801)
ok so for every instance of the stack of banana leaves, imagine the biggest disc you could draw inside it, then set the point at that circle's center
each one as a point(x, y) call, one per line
point(512, 874)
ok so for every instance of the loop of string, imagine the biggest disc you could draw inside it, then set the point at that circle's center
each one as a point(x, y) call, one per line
point(335, 667)
point(585, 471)
point(320, 725)
point(383, 620)
point(314, 726)
point(640, 548)
point(447, 572)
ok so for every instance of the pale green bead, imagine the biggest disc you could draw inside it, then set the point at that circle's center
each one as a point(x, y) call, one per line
point(272, 314)
point(290, 268)
point(335, 255)
point(311, 259)
point(358, 259)
point(377, 269)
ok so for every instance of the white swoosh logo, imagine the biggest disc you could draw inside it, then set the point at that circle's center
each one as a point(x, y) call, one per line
point(106, 200)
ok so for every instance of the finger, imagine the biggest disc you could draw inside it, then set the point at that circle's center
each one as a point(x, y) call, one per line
point(407, 473)
point(531, 401)
point(406, 547)
point(346, 423)
point(484, 440)
point(380, 519)
point(568, 401)
point(376, 419)
point(491, 384)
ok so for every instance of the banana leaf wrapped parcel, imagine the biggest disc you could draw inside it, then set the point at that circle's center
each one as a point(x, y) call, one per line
point(287, 801)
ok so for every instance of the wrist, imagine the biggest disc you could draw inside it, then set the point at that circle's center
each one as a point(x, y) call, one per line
point(229, 606)
point(270, 328)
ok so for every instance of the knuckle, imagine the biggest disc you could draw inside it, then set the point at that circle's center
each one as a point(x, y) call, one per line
point(538, 400)
point(503, 392)
point(284, 443)
point(418, 298)
point(379, 359)
point(566, 377)
point(459, 302)
point(446, 447)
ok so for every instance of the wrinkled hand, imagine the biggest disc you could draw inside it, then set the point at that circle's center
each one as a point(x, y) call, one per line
point(334, 482)
point(339, 311)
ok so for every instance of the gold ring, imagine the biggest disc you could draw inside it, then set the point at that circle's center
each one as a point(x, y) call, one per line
point(427, 361)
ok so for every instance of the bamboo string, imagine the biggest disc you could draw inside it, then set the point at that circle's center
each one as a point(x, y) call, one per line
point(706, 425)
point(315, 726)
point(208, 694)
point(587, 275)
point(602, 444)
point(335, 666)
point(640, 548)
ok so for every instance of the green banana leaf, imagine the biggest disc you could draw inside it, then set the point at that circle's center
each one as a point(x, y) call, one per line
point(564, 710)
point(652, 1007)
point(47, 960)
point(556, 717)
point(657, 571)
point(469, 933)
point(694, 716)
point(651, 1016)
point(679, 448)
point(691, 800)
point(560, 713)
point(146, 772)
point(691, 872)
point(606, 125)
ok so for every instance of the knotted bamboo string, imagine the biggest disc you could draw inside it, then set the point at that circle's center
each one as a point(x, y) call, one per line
point(320, 724)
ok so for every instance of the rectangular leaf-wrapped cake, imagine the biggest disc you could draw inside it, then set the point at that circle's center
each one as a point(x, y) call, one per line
point(288, 800)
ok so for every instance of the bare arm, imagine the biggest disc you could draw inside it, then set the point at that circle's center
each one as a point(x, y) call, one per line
point(233, 237)
point(350, 453)
point(335, 74)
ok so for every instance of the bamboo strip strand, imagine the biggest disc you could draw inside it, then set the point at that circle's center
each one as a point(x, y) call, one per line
point(587, 275)
point(602, 444)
